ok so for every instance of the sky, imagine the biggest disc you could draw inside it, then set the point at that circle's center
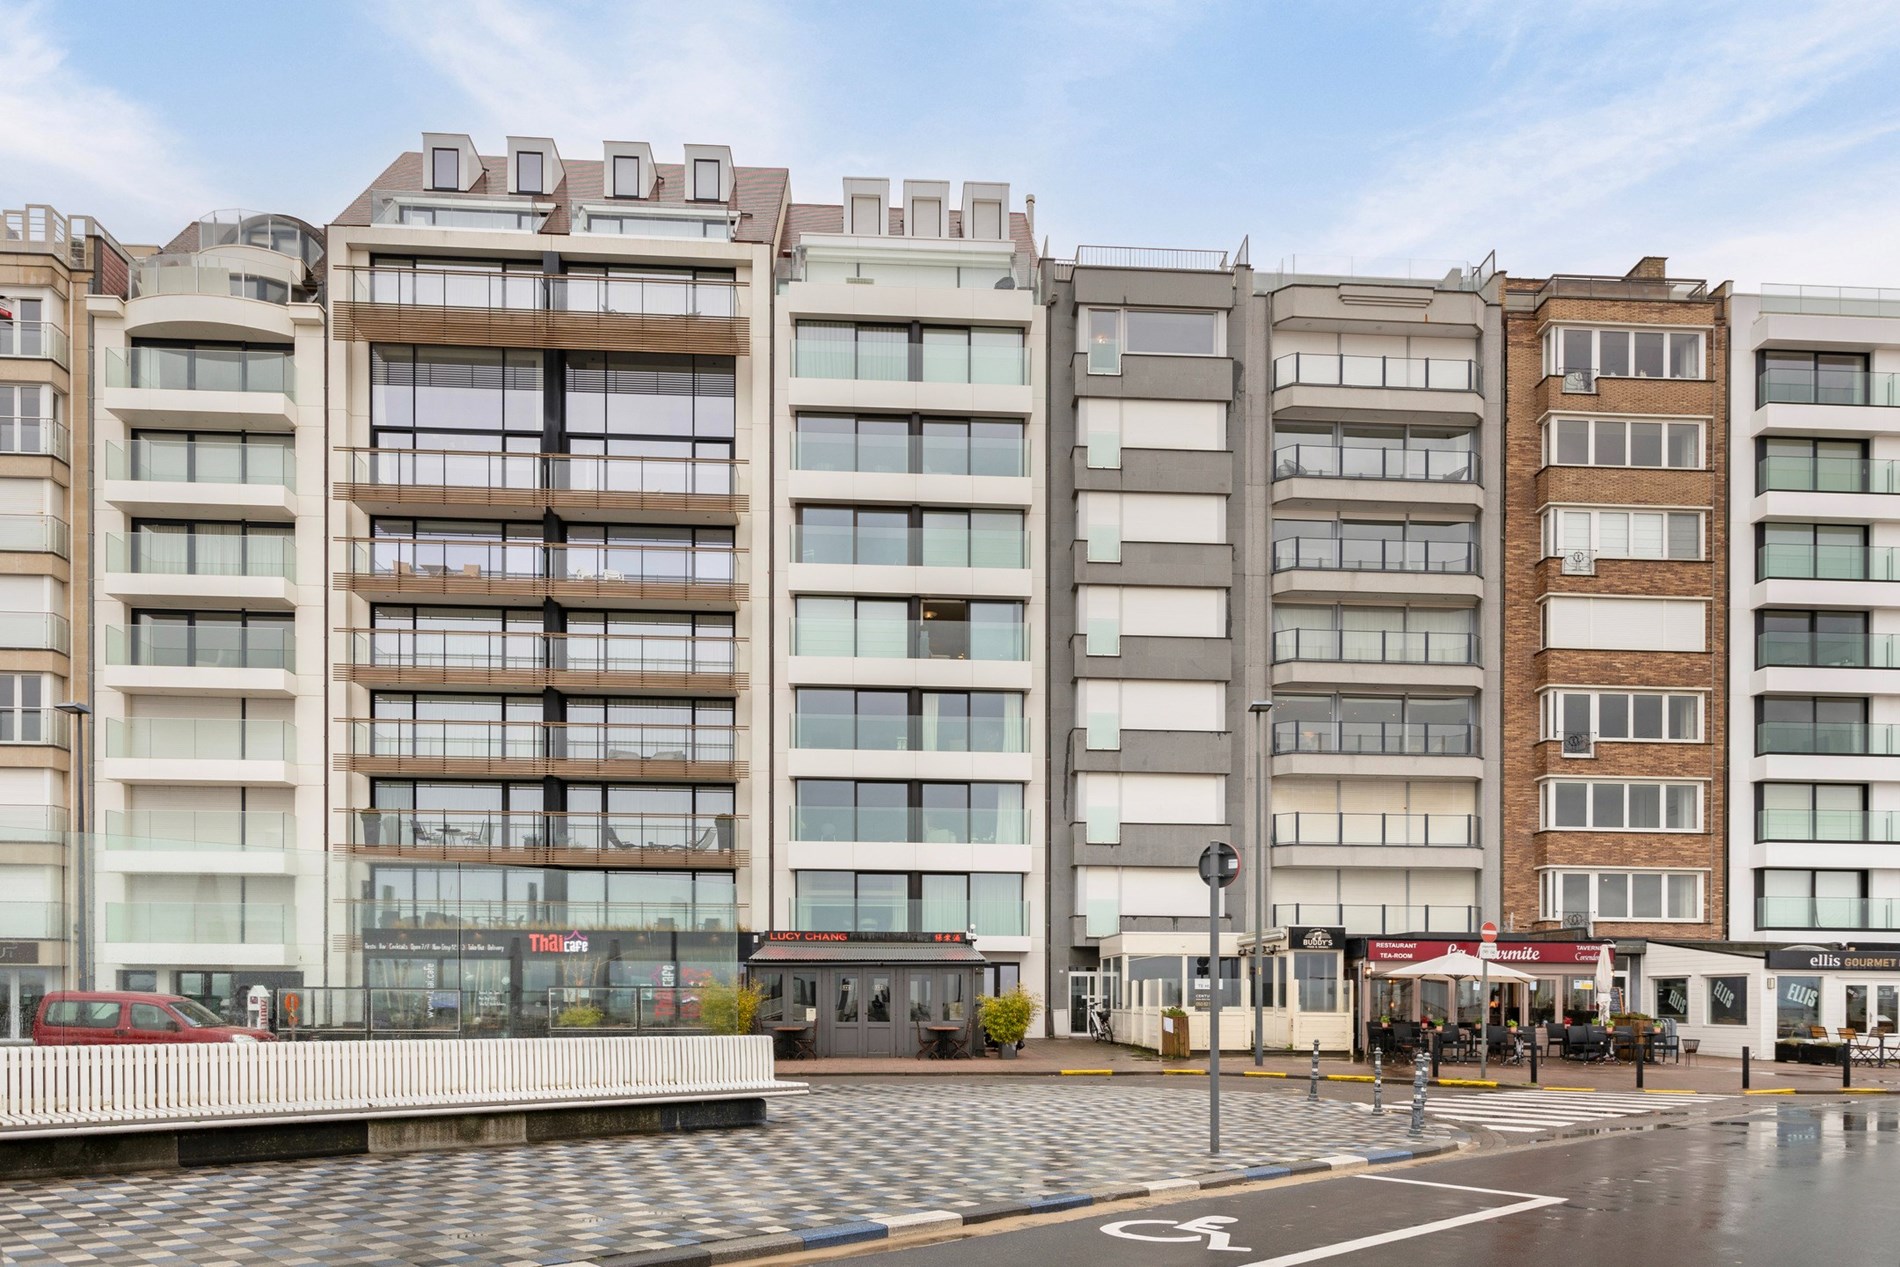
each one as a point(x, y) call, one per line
point(1745, 141)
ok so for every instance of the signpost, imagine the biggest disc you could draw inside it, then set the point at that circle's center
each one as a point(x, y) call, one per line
point(1220, 867)
point(1487, 951)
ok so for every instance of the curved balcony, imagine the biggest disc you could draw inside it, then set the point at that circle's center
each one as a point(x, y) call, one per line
point(1451, 831)
point(531, 749)
point(695, 490)
point(710, 841)
point(528, 659)
point(1389, 739)
point(628, 575)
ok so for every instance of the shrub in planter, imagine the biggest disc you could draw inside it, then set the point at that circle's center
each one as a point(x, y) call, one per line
point(1005, 1017)
point(579, 1016)
point(730, 1009)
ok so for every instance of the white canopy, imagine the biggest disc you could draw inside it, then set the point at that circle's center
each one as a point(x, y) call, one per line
point(1457, 966)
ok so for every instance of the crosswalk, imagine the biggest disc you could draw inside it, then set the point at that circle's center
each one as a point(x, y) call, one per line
point(1533, 1112)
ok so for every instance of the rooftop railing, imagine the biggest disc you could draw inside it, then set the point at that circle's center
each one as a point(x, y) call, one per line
point(202, 370)
point(1441, 274)
point(1644, 289)
point(1830, 301)
point(1330, 369)
point(34, 339)
point(285, 235)
point(448, 209)
point(1162, 257)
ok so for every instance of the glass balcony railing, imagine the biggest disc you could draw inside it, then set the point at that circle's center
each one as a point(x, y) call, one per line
point(1410, 739)
point(536, 652)
point(1826, 475)
point(1846, 739)
point(200, 923)
point(34, 437)
point(997, 918)
point(1793, 385)
point(191, 275)
point(447, 209)
point(909, 639)
point(203, 554)
point(32, 921)
point(202, 646)
point(848, 731)
point(200, 739)
point(1374, 646)
point(1826, 563)
point(538, 741)
point(1376, 830)
point(1853, 826)
point(902, 362)
point(1332, 554)
point(705, 917)
point(34, 339)
point(1830, 301)
point(34, 824)
point(929, 547)
point(951, 824)
point(1366, 919)
point(202, 462)
point(1827, 650)
point(556, 472)
point(199, 831)
point(457, 288)
point(36, 534)
point(202, 370)
point(534, 560)
point(1331, 369)
point(47, 727)
point(531, 834)
point(1374, 462)
point(883, 453)
point(35, 631)
point(1882, 914)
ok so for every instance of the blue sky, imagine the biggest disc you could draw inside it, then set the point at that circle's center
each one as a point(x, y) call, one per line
point(1746, 141)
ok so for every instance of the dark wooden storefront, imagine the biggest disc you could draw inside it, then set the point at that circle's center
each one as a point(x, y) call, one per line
point(865, 994)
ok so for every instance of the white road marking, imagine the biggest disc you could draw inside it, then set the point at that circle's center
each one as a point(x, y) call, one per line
point(1527, 1201)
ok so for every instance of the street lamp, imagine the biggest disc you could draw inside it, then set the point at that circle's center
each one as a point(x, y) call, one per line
point(82, 923)
point(1262, 863)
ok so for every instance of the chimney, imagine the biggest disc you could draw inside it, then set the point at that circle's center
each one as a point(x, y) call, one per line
point(1029, 213)
point(1651, 268)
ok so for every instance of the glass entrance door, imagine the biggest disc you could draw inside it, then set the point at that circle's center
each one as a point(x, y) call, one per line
point(1085, 993)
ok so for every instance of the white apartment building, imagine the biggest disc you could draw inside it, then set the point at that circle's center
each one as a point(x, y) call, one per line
point(1814, 854)
point(208, 615)
point(907, 564)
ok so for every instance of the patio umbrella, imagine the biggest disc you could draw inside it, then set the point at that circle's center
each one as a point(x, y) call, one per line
point(1605, 984)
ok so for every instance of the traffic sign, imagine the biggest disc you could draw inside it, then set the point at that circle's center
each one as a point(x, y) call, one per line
point(1487, 950)
point(1488, 931)
point(1220, 864)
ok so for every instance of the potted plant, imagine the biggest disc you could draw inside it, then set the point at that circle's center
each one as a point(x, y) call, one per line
point(1174, 1033)
point(1005, 1018)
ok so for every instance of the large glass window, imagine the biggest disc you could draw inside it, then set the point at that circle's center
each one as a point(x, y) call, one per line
point(649, 404)
point(927, 902)
point(1728, 1000)
point(897, 720)
point(1624, 534)
point(1811, 378)
point(1637, 895)
point(1827, 552)
point(1618, 442)
point(1797, 1006)
point(1822, 639)
point(1577, 805)
point(1672, 998)
point(911, 536)
point(887, 353)
point(946, 813)
point(1793, 898)
point(1620, 715)
point(1111, 332)
point(1624, 353)
point(1813, 811)
point(455, 398)
point(914, 445)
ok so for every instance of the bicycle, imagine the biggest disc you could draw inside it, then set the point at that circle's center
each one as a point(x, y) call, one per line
point(1101, 1028)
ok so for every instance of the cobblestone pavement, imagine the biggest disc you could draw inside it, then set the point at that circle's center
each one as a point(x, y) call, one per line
point(846, 1153)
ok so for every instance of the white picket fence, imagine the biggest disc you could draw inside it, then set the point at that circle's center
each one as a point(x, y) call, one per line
point(74, 1090)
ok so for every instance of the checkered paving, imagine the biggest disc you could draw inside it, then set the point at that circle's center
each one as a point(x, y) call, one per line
point(845, 1153)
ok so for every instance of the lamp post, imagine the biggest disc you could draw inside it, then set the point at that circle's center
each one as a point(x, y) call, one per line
point(82, 843)
point(1262, 863)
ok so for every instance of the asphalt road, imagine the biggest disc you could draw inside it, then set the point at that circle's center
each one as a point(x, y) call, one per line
point(1771, 1183)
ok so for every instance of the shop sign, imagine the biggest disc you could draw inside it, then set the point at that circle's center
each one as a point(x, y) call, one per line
point(448, 942)
point(19, 952)
point(1305, 938)
point(1551, 953)
point(574, 943)
point(1835, 959)
point(836, 938)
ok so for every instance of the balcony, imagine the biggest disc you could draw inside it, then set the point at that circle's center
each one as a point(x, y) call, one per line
point(909, 639)
point(1334, 555)
point(698, 490)
point(1374, 646)
point(573, 662)
point(34, 437)
point(199, 923)
point(32, 921)
point(1389, 739)
point(533, 749)
point(700, 841)
point(1850, 913)
point(34, 727)
point(35, 340)
point(201, 659)
point(1827, 563)
point(955, 547)
point(35, 534)
point(1826, 475)
point(1328, 369)
point(609, 575)
point(199, 831)
point(1844, 739)
point(1825, 386)
point(1373, 462)
point(435, 209)
point(849, 732)
point(194, 275)
point(703, 917)
point(189, 569)
point(1373, 920)
point(215, 388)
point(1827, 650)
point(34, 824)
point(1375, 831)
point(905, 362)
point(983, 918)
point(35, 631)
point(540, 310)
point(196, 751)
point(1841, 826)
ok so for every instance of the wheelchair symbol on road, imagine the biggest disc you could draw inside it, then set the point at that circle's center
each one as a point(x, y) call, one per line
point(1193, 1230)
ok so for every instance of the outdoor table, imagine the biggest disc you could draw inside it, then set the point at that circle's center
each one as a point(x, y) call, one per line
point(791, 1042)
point(941, 1036)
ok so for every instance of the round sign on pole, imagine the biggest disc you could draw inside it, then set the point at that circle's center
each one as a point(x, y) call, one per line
point(1489, 931)
point(1220, 864)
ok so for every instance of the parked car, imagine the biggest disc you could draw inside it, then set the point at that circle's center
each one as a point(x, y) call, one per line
point(121, 1017)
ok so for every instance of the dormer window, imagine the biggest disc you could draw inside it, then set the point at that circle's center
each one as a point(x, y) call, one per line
point(626, 176)
point(528, 172)
point(988, 216)
point(706, 180)
point(866, 212)
point(445, 168)
point(926, 216)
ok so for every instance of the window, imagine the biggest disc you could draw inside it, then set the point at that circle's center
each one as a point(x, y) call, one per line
point(83, 1013)
point(1617, 442)
point(1580, 805)
point(988, 215)
point(1823, 639)
point(1811, 378)
point(935, 813)
point(899, 536)
point(1616, 715)
point(926, 218)
point(650, 404)
point(1821, 552)
point(25, 708)
point(706, 180)
point(1623, 353)
point(1624, 534)
point(29, 420)
point(1792, 898)
point(845, 901)
point(528, 172)
point(897, 354)
point(1728, 1000)
point(1811, 811)
point(867, 210)
point(1353, 450)
point(1377, 545)
point(1816, 724)
point(627, 176)
point(896, 720)
point(1602, 623)
point(1109, 332)
point(914, 445)
point(1672, 998)
point(152, 1019)
point(445, 168)
point(1391, 724)
point(1803, 465)
point(1638, 895)
point(915, 628)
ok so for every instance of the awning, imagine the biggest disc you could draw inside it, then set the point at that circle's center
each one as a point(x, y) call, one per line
point(866, 952)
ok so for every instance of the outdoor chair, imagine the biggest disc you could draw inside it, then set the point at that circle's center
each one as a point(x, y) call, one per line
point(1817, 1032)
point(925, 1039)
point(1666, 1042)
point(1405, 1036)
point(961, 1042)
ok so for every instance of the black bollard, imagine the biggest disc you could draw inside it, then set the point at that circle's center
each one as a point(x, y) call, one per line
point(1378, 1080)
point(1744, 1068)
point(1312, 1086)
point(1418, 1096)
point(1438, 1050)
point(1847, 1065)
point(1533, 1054)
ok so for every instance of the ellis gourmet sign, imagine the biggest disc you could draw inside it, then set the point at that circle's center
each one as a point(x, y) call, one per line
point(1551, 953)
point(1836, 959)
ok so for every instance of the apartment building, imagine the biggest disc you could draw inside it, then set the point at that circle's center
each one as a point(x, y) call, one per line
point(1814, 802)
point(549, 386)
point(907, 574)
point(1615, 727)
point(207, 617)
point(50, 264)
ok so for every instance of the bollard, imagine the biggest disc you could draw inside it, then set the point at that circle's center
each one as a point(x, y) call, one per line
point(1312, 1085)
point(1640, 1050)
point(1847, 1065)
point(1418, 1096)
point(1744, 1068)
point(1378, 1081)
point(1438, 1050)
point(1533, 1053)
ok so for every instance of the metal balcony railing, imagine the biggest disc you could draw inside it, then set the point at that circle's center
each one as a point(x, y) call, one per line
point(705, 917)
point(529, 651)
point(1827, 650)
point(1374, 462)
point(1332, 369)
point(535, 560)
point(555, 472)
point(1332, 554)
point(1349, 738)
point(1846, 739)
point(1374, 646)
point(1376, 830)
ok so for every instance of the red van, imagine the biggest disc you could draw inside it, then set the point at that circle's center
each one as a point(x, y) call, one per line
point(119, 1017)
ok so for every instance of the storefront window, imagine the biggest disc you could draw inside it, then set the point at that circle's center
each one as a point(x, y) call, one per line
point(1435, 999)
point(1318, 975)
point(1672, 998)
point(1797, 1006)
point(1580, 999)
point(1728, 1000)
point(1391, 997)
point(1543, 1001)
point(1155, 982)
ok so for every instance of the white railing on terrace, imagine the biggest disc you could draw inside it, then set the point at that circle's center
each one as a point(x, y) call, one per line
point(1152, 257)
point(58, 1090)
point(1442, 274)
point(1830, 301)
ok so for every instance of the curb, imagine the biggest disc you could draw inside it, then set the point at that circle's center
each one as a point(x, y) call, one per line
point(936, 1222)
